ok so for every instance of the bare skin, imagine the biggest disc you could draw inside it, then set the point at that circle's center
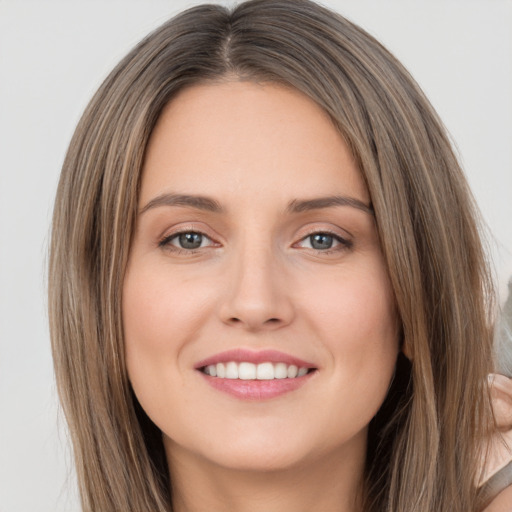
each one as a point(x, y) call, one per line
point(197, 486)
point(286, 259)
point(502, 502)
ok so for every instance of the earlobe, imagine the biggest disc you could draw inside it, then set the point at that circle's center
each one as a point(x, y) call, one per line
point(405, 346)
point(407, 350)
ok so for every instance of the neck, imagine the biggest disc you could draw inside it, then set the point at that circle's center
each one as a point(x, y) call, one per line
point(332, 483)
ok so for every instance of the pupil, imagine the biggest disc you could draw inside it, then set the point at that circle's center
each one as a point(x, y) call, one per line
point(190, 240)
point(321, 241)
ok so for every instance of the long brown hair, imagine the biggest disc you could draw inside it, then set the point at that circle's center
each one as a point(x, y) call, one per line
point(423, 444)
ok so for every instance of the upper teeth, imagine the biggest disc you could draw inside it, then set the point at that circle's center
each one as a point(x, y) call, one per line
point(250, 371)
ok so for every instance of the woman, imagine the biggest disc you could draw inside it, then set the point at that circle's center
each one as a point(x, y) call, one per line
point(267, 284)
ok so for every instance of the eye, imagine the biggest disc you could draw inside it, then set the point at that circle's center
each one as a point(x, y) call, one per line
point(324, 241)
point(321, 241)
point(186, 240)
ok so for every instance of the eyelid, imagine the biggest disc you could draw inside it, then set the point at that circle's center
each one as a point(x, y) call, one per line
point(163, 241)
point(344, 242)
point(167, 240)
point(314, 228)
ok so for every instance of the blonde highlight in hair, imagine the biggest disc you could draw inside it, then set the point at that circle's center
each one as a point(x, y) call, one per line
point(423, 444)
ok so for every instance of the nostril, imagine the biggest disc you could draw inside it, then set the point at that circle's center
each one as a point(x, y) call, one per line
point(270, 321)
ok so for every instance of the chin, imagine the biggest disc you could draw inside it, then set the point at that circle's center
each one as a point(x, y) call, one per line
point(251, 450)
point(260, 460)
point(267, 448)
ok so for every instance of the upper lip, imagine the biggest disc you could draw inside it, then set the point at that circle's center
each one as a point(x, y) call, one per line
point(240, 355)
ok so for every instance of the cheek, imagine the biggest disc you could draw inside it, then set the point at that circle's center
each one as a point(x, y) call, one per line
point(162, 314)
point(354, 309)
point(161, 318)
point(356, 318)
point(159, 311)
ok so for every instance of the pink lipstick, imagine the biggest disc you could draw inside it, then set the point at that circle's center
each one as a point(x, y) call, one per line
point(255, 375)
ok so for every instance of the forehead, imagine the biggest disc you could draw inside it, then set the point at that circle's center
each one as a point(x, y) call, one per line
point(239, 137)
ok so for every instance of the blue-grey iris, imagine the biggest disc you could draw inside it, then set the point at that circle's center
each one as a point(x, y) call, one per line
point(190, 240)
point(321, 241)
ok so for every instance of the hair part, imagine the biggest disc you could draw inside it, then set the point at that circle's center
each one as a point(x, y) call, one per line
point(423, 444)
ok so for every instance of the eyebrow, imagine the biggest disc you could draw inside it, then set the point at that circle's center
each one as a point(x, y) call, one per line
point(295, 206)
point(199, 202)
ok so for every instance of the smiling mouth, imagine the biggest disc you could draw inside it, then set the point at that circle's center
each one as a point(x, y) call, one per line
point(249, 371)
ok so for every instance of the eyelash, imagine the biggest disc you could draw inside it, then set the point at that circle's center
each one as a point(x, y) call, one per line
point(166, 242)
point(344, 244)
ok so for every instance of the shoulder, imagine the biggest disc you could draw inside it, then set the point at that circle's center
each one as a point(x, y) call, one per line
point(502, 502)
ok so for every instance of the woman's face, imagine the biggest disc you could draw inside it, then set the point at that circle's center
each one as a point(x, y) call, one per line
point(256, 259)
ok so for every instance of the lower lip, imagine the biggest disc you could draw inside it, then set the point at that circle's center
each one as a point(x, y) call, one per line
point(256, 389)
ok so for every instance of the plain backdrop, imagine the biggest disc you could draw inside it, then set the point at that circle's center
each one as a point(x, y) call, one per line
point(54, 54)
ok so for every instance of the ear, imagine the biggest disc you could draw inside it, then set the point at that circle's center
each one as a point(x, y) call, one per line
point(407, 350)
point(405, 346)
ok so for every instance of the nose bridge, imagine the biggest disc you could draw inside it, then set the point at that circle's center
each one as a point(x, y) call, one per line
point(256, 296)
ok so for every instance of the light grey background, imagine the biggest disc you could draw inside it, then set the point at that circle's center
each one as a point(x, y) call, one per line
point(53, 55)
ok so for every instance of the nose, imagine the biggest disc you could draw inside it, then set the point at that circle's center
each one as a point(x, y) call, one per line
point(256, 296)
